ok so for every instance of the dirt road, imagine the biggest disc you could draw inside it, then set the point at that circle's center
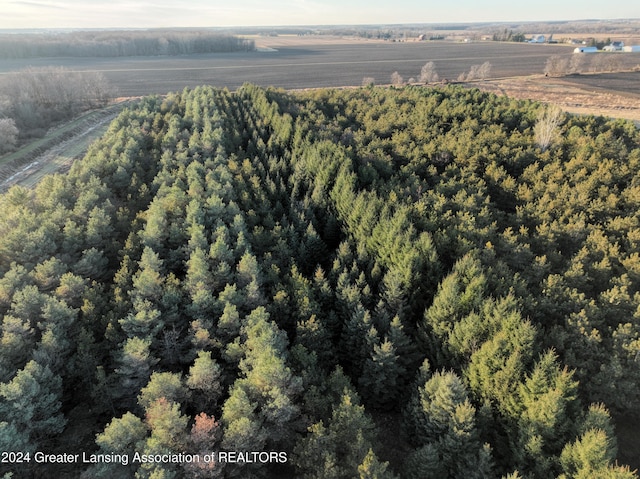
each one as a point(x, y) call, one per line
point(56, 151)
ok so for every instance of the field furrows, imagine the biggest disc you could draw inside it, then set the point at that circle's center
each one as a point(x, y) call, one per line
point(308, 66)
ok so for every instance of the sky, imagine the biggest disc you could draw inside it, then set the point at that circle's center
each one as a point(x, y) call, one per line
point(217, 13)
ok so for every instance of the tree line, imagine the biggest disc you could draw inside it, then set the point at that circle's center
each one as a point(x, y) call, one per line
point(381, 282)
point(34, 99)
point(119, 43)
point(582, 62)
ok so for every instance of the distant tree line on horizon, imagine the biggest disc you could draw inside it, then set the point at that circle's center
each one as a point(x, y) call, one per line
point(508, 35)
point(119, 43)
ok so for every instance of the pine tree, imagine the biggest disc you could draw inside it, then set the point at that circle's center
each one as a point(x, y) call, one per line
point(313, 334)
point(502, 359)
point(202, 440)
point(594, 450)
point(124, 436)
point(12, 439)
point(71, 289)
point(135, 365)
point(14, 279)
point(162, 385)
point(168, 425)
point(168, 436)
point(243, 430)
point(336, 451)
point(17, 342)
point(228, 324)
point(31, 402)
point(407, 351)
point(265, 393)
point(354, 345)
point(205, 381)
point(381, 375)
point(548, 399)
point(460, 294)
point(316, 455)
point(424, 463)
point(589, 456)
point(199, 276)
point(48, 273)
point(148, 280)
point(372, 468)
point(55, 346)
point(146, 322)
point(445, 430)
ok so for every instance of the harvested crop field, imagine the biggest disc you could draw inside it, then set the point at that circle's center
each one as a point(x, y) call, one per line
point(307, 62)
point(626, 83)
point(615, 95)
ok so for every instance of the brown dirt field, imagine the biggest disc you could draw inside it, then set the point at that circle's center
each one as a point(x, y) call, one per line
point(584, 94)
point(306, 40)
point(312, 65)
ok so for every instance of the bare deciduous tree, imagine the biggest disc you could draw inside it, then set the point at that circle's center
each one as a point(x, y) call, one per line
point(547, 128)
point(368, 81)
point(556, 65)
point(484, 70)
point(396, 78)
point(8, 134)
point(576, 64)
point(610, 62)
point(38, 97)
point(477, 72)
point(428, 73)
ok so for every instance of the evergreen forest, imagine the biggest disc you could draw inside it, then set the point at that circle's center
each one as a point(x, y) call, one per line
point(363, 283)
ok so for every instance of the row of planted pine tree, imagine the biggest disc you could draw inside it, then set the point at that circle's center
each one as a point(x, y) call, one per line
point(376, 282)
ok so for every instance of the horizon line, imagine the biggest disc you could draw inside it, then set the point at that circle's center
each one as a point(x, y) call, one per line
point(319, 25)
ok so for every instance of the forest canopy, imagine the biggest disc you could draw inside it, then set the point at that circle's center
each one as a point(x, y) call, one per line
point(373, 282)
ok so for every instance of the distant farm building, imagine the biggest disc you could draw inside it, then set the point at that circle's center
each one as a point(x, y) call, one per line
point(585, 50)
point(614, 47)
point(537, 39)
point(631, 48)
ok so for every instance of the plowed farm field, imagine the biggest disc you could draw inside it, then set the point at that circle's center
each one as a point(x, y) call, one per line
point(306, 62)
point(615, 95)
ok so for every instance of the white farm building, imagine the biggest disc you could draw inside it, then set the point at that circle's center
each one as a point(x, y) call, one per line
point(585, 50)
point(614, 47)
